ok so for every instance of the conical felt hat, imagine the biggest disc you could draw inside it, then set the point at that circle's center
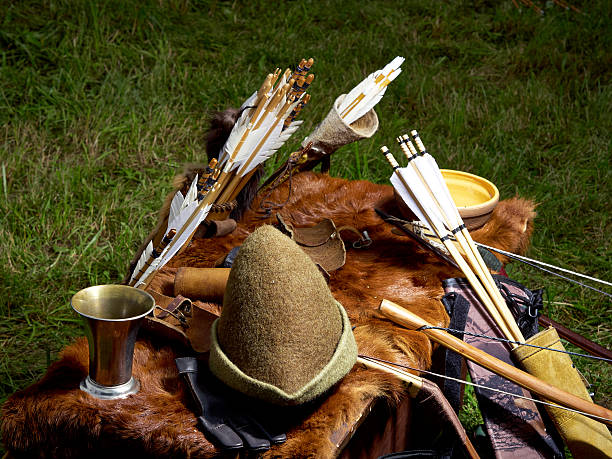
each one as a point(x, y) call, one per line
point(281, 337)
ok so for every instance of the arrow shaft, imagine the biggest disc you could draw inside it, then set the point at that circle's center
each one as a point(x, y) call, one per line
point(445, 236)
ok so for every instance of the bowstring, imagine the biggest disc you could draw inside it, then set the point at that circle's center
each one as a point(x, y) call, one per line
point(480, 386)
point(533, 263)
point(504, 340)
point(537, 262)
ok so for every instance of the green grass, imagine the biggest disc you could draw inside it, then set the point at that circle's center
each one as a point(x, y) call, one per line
point(102, 102)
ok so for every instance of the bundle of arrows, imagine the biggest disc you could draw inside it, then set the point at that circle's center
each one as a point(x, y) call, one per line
point(363, 97)
point(267, 120)
point(421, 186)
point(351, 107)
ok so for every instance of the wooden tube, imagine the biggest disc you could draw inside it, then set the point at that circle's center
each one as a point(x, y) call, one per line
point(547, 391)
point(207, 284)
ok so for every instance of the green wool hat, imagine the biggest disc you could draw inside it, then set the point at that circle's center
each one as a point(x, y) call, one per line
point(281, 336)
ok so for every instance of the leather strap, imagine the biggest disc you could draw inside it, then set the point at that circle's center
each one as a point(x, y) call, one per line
point(576, 339)
point(178, 303)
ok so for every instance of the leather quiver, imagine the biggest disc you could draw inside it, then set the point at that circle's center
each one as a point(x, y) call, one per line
point(333, 133)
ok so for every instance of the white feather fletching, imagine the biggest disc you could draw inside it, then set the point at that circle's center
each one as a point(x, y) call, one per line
point(176, 244)
point(177, 219)
point(365, 106)
point(152, 267)
point(369, 91)
point(275, 141)
point(436, 175)
point(192, 193)
point(189, 229)
point(362, 88)
point(250, 101)
point(393, 65)
point(181, 209)
point(424, 198)
point(430, 215)
point(254, 138)
point(408, 199)
point(142, 260)
point(175, 206)
point(232, 141)
point(431, 173)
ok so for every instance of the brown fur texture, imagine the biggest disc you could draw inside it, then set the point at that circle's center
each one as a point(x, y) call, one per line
point(54, 419)
point(221, 125)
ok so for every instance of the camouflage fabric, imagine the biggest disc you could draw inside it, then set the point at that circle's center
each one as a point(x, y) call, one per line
point(514, 425)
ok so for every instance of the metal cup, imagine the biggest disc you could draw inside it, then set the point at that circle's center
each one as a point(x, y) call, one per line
point(112, 315)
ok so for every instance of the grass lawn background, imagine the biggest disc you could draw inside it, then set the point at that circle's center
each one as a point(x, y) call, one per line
point(102, 102)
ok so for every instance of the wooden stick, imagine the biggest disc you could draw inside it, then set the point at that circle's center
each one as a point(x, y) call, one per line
point(547, 391)
point(415, 383)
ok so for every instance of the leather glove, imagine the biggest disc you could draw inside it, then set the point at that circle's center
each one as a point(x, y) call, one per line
point(226, 417)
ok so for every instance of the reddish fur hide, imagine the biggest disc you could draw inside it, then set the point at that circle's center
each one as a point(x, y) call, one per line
point(55, 418)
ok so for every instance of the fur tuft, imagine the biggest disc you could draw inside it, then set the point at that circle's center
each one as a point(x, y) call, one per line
point(221, 126)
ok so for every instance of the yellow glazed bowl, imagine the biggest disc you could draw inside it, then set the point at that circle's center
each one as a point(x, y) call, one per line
point(474, 196)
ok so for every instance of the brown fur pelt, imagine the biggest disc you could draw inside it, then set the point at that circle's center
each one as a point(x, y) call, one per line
point(54, 417)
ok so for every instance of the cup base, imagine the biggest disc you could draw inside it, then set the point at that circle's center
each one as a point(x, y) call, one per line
point(109, 392)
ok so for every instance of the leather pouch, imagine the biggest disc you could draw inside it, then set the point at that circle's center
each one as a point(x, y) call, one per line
point(322, 243)
point(179, 319)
